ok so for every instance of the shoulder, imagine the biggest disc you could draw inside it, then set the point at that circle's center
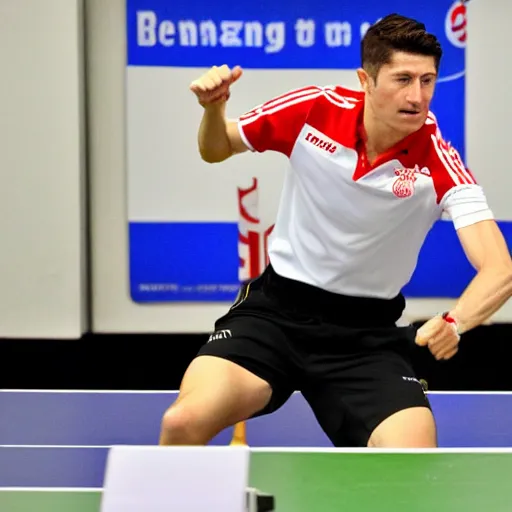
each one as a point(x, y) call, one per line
point(342, 97)
point(298, 100)
point(352, 94)
point(333, 94)
point(443, 160)
point(337, 106)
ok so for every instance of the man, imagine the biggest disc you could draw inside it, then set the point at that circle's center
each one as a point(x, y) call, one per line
point(369, 175)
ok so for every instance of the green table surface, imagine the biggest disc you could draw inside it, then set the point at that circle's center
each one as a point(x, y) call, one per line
point(332, 480)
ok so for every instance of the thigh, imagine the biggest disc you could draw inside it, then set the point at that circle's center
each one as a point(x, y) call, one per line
point(214, 394)
point(259, 347)
point(353, 392)
point(413, 427)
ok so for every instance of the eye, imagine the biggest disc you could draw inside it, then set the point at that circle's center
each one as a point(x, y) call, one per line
point(403, 79)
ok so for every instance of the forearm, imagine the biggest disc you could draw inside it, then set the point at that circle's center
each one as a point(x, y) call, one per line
point(213, 140)
point(485, 295)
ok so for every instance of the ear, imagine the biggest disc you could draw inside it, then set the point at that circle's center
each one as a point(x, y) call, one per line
point(364, 79)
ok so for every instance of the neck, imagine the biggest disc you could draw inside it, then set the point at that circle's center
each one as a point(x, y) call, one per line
point(379, 136)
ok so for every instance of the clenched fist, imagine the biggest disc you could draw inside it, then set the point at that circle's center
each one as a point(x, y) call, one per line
point(213, 86)
point(441, 337)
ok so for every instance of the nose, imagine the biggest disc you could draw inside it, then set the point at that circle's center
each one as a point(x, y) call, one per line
point(414, 92)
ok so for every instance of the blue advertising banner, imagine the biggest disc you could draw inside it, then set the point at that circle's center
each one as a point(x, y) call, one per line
point(184, 246)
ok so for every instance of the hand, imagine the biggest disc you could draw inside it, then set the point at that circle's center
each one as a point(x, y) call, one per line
point(213, 86)
point(440, 336)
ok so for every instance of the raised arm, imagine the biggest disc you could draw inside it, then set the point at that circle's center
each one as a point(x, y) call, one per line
point(218, 138)
point(271, 126)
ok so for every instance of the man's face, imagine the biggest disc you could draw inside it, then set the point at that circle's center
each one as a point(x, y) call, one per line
point(401, 95)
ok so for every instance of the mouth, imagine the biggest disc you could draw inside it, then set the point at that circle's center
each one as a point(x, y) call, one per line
point(409, 113)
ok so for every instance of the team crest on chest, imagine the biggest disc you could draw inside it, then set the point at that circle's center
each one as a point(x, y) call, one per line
point(404, 183)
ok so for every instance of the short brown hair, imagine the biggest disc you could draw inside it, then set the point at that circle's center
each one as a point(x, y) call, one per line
point(396, 33)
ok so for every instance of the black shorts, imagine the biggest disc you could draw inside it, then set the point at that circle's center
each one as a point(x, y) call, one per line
point(344, 354)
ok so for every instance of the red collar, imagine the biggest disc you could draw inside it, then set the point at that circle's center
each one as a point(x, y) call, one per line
point(400, 148)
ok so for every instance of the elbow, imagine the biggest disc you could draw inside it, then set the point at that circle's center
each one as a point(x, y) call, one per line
point(209, 159)
point(505, 271)
point(503, 274)
point(497, 271)
point(213, 157)
point(507, 278)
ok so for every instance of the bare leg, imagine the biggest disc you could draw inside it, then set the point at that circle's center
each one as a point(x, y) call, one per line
point(409, 428)
point(214, 394)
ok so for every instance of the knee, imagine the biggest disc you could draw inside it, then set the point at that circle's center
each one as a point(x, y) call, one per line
point(409, 428)
point(181, 425)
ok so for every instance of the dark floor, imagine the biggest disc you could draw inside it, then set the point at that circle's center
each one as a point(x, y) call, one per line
point(97, 361)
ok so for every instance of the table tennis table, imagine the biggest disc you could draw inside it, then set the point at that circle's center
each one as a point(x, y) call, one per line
point(54, 445)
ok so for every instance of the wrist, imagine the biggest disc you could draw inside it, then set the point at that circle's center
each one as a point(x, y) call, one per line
point(452, 319)
point(217, 106)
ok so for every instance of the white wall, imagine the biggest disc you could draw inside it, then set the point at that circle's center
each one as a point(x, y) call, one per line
point(489, 102)
point(42, 259)
point(113, 310)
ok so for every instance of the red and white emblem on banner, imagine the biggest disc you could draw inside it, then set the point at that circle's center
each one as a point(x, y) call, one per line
point(252, 234)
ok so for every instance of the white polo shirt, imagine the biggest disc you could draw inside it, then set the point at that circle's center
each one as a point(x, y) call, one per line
point(342, 224)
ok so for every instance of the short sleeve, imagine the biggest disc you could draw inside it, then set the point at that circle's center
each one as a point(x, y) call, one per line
point(458, 193)
point(276, 124)
point(466, 205)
